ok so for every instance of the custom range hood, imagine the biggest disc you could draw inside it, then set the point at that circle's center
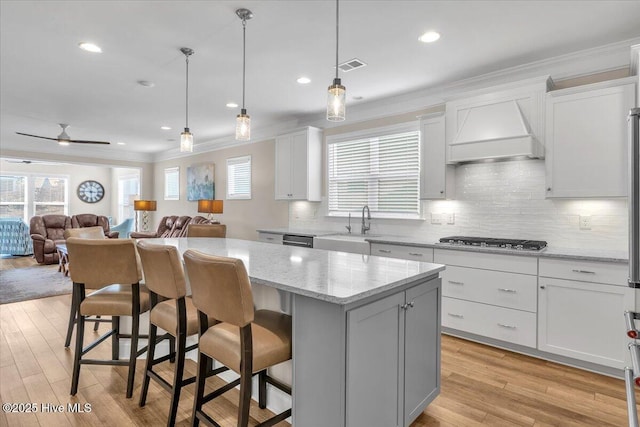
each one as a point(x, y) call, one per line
point(498, 125)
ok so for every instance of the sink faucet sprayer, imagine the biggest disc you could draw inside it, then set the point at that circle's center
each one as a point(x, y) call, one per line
point(366, 227)
point(348, 227)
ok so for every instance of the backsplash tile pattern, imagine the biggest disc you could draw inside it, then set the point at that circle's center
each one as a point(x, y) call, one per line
point(495, 199)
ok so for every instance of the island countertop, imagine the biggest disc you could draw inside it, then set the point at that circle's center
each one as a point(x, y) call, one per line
point(336, 277)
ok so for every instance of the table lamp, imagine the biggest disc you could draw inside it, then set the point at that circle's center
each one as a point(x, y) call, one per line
point(210, 207)
point(145, 206)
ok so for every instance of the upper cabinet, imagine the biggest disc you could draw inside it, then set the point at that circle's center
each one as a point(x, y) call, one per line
point(586, 139)
point(298, 165)
point(501, 122)
point(436, 178)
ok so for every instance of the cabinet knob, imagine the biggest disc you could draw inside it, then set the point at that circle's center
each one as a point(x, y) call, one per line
point(542, 287)
point(548, 188)
point(441, 191)
point(411, 304)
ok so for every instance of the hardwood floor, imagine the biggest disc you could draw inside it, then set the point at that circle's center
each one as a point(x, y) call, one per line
point(480, 385)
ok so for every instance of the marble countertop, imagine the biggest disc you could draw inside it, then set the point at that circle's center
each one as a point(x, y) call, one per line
point(602, 255)
point(337, 277)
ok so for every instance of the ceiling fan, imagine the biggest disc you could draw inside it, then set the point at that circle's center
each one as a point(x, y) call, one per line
point(64, 139)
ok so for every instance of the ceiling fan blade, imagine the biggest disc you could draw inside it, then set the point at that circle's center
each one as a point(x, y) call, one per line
point(37, 136)
point(88, 142)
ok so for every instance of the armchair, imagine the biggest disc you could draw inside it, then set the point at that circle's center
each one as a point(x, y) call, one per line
point(164, 228)
point(46, 231)
point(91, 220)
point(124, 228)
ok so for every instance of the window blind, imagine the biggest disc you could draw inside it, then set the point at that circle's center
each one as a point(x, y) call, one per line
point(172, 183)
point(239, 178)
point(382, 172)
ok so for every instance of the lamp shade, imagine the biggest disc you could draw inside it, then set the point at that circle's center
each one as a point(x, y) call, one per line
point(210, 206)
point(144, 205)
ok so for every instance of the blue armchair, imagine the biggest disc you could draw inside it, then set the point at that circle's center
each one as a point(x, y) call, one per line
point(125, 227)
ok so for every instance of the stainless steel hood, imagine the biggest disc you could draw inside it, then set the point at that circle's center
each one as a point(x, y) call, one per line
point(495, 131)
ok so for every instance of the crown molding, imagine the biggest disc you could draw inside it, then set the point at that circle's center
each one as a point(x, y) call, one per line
point(634, 63)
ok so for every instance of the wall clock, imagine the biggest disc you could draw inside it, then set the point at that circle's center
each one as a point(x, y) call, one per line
point(90, 191)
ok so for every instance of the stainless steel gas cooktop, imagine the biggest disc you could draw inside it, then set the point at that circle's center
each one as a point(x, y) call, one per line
point(491, 242)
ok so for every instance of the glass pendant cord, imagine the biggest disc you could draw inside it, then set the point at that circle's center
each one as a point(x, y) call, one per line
point(187, 95)
point(337, 32)
point(244, 56)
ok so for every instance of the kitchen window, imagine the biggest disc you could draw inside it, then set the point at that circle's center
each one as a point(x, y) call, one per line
point(239, 178)
point(381, 170)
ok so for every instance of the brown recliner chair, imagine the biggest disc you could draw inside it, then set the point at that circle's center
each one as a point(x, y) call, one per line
point(91, 220)
point(164, 229)
point(47, 231)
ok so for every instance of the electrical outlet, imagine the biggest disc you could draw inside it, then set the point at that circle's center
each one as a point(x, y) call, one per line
point(451, 218)
point(585, 222)
point(436, 218)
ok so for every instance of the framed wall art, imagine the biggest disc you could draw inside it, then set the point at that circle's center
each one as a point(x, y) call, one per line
point(200, 183)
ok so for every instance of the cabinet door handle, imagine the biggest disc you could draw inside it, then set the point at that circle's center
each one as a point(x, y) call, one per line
point(548, 188)
point(411, 304)
point(404, 306)
point(543, 287)
point(509, 291)
point(458, 316)
point(502, 325)
point(384, 251)
point(415, 254)
point(456, 283)
point(269, 238)
point(583, 271)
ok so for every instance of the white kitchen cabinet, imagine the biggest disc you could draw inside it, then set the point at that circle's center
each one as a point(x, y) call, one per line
point(415, 253)
point(397, 334)
point(298, 165)
point(437, 179)
point(586, 139)
point(490, 295)
point(580, 319)
point(270, 237)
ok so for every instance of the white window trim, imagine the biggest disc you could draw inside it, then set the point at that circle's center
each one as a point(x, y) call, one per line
point(168, 171)
point(30, 204)
point(238, 160)
point(413, 126)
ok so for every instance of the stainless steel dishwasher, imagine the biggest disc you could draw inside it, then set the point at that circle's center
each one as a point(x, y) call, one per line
point(297, 240)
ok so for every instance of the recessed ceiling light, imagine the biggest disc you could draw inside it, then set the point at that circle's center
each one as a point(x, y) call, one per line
point(90, 47)
point(146, 83)
point(304, 80)
point(121, 143)
point(232, 105)
point(429, 37)
point(165, 128)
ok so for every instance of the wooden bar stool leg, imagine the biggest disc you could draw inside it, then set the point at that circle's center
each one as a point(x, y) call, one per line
point(79, 290)
point(177, 378)
point(135, 328)
point(262, 389)
point(246, 365)
point(115, 338)
point(153, 333)
point(172, 349)
point(203, 362)
point(73, 315)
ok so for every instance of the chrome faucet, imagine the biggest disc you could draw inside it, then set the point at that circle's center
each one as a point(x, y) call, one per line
point(366, 227)
point(348, 227)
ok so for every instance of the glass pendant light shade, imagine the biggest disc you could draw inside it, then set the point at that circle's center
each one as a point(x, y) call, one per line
point(243, 126)
point(186, 141)
point(336, 110)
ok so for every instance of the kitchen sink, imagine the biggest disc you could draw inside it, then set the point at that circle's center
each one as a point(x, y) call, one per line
point(344, 242)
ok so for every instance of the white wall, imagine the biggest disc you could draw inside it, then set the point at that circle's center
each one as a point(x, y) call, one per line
point(242, 217)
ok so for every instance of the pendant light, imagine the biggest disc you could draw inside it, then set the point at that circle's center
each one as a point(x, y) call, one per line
point(337, 93)
point(243, 121)
point(186, 137)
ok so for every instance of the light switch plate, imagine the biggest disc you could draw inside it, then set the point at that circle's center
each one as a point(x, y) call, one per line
point(436, 218)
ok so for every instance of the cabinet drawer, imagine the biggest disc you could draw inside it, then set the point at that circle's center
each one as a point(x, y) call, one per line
point(400, 251)
point(487, 261)
point(508, 290)
point(515, 326)
point(270, 238)
point(585, 271)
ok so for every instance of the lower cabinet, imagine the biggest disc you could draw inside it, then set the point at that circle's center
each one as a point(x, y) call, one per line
point(270, 237)
point(415, 253)
point(584, 320)
point(394, 354)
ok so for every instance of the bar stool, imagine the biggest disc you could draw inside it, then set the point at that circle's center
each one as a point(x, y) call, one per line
point(206, 230)
point(111, 265)
point(246, 341)
point(172, 311)
point(96, 232)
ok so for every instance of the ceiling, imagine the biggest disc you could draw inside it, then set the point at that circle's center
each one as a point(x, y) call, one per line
point(46, 79)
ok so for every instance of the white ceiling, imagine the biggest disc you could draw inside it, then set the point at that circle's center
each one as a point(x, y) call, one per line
point(46, 79)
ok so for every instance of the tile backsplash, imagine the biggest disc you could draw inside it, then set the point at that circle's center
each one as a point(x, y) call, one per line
point(495, 199)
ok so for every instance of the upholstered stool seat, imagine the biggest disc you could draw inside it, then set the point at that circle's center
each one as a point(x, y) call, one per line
point(165, 316)
point(113, 300)
point(271, 332)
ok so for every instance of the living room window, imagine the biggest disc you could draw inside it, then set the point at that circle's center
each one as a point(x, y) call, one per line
point(239, 178)
point(380, 169)
point(172, 183)
point(13, 196)
point(33, 194)
point(128, 191)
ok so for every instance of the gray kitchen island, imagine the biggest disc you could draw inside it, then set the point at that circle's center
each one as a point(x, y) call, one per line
point(366, 329)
